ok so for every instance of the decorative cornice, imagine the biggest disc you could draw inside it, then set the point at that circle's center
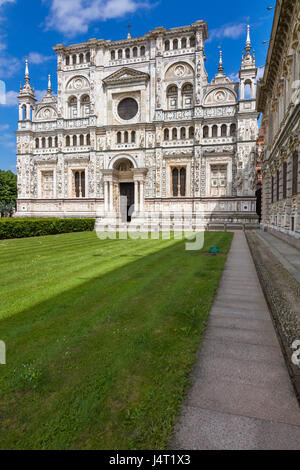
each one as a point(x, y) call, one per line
point(126, 75)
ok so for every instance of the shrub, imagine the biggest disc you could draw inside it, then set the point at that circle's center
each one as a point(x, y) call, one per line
point(21, 228)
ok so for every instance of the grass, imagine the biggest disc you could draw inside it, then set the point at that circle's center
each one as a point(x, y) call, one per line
point(101, 337)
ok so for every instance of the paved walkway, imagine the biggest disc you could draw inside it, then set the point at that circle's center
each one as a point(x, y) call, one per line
point(242, 397)
point(288, 255)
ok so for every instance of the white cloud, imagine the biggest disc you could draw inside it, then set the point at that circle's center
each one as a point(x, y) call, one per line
point(2, 2)
point(37, 58)
point(39, 94)
point(4, 127)
point(260, 72)
point(229, 30)
point(11, 98)
point(8, 140)
point(234, 77)
point(9, 66)
point(72, 17)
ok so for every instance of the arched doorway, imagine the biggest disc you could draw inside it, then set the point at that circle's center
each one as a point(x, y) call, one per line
point(124, 169)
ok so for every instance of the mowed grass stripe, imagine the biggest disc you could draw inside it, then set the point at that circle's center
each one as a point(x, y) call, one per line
point(107, 360)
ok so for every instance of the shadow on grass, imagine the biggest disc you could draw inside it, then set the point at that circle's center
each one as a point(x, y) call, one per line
point(105, 364)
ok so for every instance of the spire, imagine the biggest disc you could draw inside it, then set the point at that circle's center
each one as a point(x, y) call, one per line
point(49, 84)
point(27, 79)
point(129, 34)
point(248, 41)
point(221, 68)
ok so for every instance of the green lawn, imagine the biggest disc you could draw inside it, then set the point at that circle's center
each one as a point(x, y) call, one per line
point(101, 337)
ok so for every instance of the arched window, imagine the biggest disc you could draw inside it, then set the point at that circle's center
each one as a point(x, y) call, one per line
point(178, 181)
point(68, 142)
point(191, 132)
point(135, 52)
point(88, 57)
point(79, 183)
point(37, 143)
point(50, 142)
point(88, 139)
point(223, 130)
point(205, 132)
point(120, 54)
point(73, 107)
point(85, 105)
point(127, 53)
point(112, 55)
point(192, 41)
point(43, 142)
point(172, 97)
point(81, 140)
point(81, 58)
point(143, 51)
point(119, 138)
point(74, 59)
point(175, 44)
point(167, 45)
point(183, 43)
point(56, 141)
point(182, 181)
point(295, 174)
point(174, 133)
point(248, 85)
point(126, 137)
point(182, 133)
point(232, 130)
point(133, 137)
point(175, 182)
point(67, 60)
point(166, 134)
point(215, 131)
point(187, 95)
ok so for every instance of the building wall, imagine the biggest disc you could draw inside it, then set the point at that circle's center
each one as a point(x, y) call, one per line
point(278, 100)
point(212, 130)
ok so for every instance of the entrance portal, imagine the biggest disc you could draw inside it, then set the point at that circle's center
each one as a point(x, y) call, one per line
point(126, 201)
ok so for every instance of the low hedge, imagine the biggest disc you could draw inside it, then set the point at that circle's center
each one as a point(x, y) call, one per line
point(21, 228)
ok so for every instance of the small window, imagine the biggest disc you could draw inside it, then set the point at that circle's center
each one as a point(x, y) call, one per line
point(119, 137)
point(215, 131)
point(174, 133)
point(232, 130)
point(88, 57)
point(81, 140)
point(205, 132)
point(67, 60)
point(182, 133)
point(133, 137)
point(120, 54)
point(79, 183)
point(127, 53)
point(183, 43)
point(143, 51)
point(277, 185)
point(284, 180)
point(126, 137)
point(166, 134)
point(295, 174)
point(167, 45)
point(224, 130)
point(68, 141)
point(135, 52)
point(112, 55)
point(37, 143)
point(191, 132)
point(175, 44)
point(192, 41)
point(88, 139)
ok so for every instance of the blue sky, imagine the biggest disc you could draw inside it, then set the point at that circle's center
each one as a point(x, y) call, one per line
point(31, 27)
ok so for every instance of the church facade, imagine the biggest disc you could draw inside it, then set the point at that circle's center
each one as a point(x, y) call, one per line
point(136, 128)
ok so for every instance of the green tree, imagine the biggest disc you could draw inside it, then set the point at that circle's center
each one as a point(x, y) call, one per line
point(8, 192)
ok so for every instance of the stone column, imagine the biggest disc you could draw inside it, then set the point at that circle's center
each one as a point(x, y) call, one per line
point(136, 196)
point(111, 196)
point(105, 196)
point(141, 196)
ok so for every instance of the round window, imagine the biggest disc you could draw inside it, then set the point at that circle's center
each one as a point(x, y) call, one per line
point(127, 109)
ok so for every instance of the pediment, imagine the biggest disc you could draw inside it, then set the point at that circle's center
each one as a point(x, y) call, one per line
point(126, 75)
point(220, 96)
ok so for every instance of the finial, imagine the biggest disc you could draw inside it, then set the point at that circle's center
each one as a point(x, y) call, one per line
point(129, 35)
point(49, 83)
point(26, 71)
point(248, 41)
point(221, 68)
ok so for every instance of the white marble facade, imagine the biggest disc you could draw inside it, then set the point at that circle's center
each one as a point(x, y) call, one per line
point(139, 115)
